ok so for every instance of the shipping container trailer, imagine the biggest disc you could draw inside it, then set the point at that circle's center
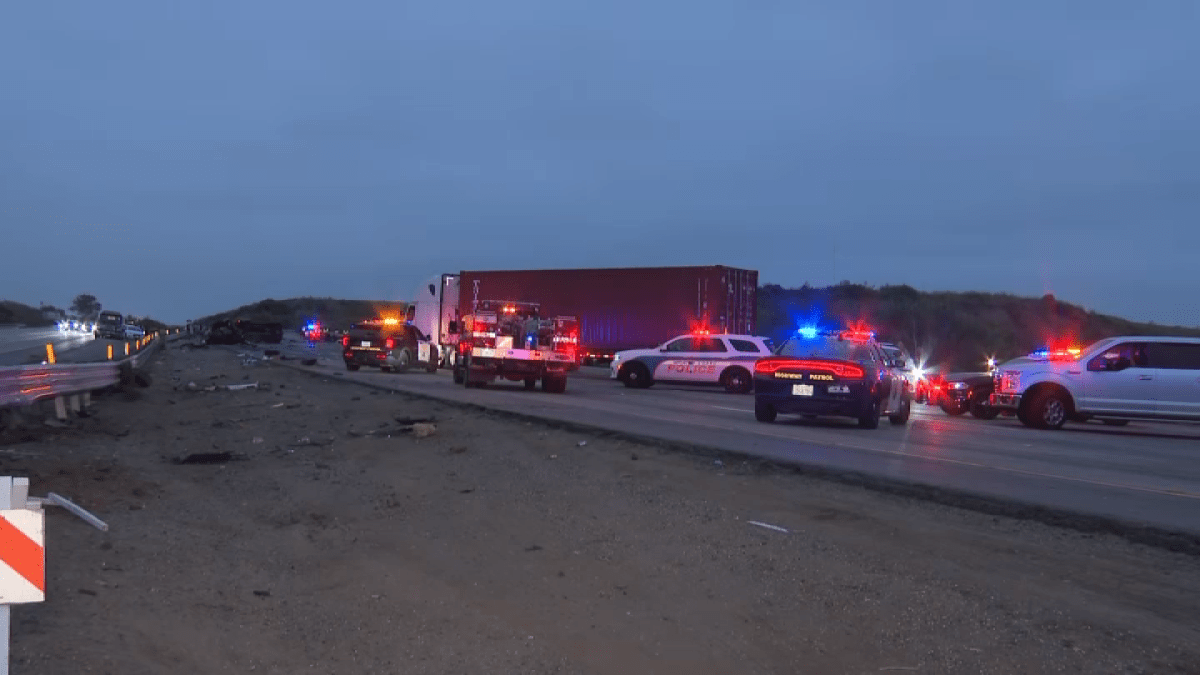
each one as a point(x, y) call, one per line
point(627, 307)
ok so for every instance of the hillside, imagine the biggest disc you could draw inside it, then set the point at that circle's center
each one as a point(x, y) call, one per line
point(956, 331)
point(294, 312)
point(16, 313)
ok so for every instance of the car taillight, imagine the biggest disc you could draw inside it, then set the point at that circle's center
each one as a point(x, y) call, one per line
point(390, 343)
point(345, 340)
point(843, 370)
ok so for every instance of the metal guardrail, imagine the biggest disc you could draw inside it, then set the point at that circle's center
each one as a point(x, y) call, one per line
point(26, 385)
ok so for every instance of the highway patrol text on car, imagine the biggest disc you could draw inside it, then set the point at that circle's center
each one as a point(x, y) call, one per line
point(698, 358)
point(842, 373)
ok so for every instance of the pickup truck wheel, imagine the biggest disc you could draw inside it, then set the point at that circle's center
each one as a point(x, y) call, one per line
point(981, 410)
point(952, 410)
point(1048, 409)
point(737, 380)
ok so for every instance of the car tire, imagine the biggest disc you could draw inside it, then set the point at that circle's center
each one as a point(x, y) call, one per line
point(1049, 409)
point(869, 419)
point(458, 376)
point(352, 366)
point(900, 417)
point(636, 376)
point(737, 380)
point(981, 410)
point(764, 412)
point(403, 361)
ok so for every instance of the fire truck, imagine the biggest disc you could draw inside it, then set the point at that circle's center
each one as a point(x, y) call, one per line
point(510, 340)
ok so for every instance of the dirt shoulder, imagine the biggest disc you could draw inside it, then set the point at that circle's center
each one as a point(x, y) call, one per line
point(495, 545)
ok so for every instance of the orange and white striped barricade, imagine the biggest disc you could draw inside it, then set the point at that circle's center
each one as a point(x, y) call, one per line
point(23, 549)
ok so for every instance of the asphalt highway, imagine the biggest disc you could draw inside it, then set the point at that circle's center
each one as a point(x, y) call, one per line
point(21, 346)
point(1145, 473)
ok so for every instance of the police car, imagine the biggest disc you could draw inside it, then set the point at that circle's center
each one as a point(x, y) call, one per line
point(839, 373)
point(388, 345)
point(697, 358)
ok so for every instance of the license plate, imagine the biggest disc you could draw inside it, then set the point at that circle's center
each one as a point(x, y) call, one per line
point(802, 390)
point(365, 343)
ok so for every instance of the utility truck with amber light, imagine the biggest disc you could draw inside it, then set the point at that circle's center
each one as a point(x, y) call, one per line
point(510, 340)
point(1114, 380)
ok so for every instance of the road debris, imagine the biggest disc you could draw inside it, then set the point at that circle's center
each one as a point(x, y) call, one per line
point(769, 527)
point(209, 458)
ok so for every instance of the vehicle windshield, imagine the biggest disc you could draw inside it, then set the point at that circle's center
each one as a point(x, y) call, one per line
point(826, 347)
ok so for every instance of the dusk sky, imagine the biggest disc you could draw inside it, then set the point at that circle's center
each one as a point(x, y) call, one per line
point(178, 159)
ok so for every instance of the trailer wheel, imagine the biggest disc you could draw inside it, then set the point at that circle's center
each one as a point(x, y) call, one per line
point(554, 384)
point(737, 380)
point(531, 382)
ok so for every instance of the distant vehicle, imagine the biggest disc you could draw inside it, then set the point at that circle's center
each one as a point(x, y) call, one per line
point(387, 344)
point(133, 332)
point(510, 340)
point(698, 358)
point(109, 325)
point(908, 372)
point(839, 373)
point(966, 392)
point(314, 331)
point(1114, 380)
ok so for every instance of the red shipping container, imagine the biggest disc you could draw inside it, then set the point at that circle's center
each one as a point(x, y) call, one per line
point(629, 307)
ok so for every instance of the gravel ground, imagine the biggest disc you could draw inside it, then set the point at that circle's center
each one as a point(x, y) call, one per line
point(501, 546)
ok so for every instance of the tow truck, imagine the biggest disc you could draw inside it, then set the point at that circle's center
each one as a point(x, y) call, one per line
point(510, 340)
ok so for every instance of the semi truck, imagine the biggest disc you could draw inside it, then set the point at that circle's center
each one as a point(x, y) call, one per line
point(615, 308)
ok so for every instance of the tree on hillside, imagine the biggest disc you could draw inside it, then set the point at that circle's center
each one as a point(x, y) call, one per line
point(85, 306)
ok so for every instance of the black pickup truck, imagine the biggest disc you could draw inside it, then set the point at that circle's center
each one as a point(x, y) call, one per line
point(958, 393)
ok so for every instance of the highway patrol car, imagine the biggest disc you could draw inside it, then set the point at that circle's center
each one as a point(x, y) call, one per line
point(840, 373)
point(697, 358)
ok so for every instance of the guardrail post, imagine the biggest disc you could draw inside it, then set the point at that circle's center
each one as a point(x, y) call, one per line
point(60, 408)
point(75, 404)
point(87, 399)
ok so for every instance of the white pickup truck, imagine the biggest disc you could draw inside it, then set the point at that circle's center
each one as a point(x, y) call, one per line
point(1114, 380)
